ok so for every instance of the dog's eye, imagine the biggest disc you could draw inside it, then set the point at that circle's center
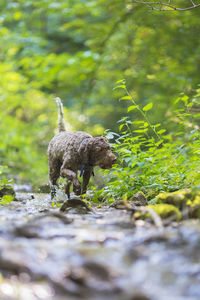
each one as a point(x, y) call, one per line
point(107, 148)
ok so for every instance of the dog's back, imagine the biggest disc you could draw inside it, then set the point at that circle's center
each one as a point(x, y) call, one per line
point(65, 141)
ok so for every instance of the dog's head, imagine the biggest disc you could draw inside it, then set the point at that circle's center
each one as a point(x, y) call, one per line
point(97, 152)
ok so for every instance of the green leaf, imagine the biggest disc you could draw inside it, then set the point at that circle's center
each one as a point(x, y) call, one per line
point(161, 131)
point(120, 87)
point(148, 106)
point(6, 199)
point(132, 107)
point(190, 104)
point(185, 99)
point(125, 98)
point(159, 142)
point(140, 130)
point(177, 100)
point(121, 126)
point(120, 81)
point(138, 122)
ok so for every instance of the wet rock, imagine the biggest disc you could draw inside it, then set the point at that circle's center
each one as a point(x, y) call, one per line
point(139, 200)
point(188, 201)
point(94, 278)
point(138, 295)
point(75, 205)
point(23, 197)
point(119, 204)
point(98, 270)
point(22, 188)
point(43, 210)
point(47, 255)
point(178, 198)
point(41, 226)
point(165, 211)
point(134, 254)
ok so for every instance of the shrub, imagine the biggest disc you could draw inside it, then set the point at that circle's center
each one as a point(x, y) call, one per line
point(7, 193)
point(150, 159)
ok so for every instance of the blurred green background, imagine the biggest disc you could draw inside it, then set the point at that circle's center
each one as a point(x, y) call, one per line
point(77, 50)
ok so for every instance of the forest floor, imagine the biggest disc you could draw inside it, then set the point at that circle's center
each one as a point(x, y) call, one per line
point(97, 254)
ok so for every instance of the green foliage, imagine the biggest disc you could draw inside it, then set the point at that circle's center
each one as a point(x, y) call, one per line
point(6, 199)
point(76, 50)
point(24, 130)
point(150, 159)
point(3, 179)
point(5, 184)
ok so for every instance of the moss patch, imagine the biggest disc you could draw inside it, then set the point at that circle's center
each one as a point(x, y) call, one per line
point(178, 198)
point(166, 210)
point(187, 200)
point(163, 210)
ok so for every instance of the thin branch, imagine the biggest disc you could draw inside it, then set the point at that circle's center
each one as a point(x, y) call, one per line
point(192, 2)
point(168, 6)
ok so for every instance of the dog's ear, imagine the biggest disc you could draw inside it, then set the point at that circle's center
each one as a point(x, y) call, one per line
point(84, 150)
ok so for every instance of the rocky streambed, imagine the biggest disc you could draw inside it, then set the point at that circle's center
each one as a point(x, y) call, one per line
point(100, 253)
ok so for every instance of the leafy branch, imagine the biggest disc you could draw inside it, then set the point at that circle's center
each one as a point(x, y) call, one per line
point(162, 6)
point(143, 111)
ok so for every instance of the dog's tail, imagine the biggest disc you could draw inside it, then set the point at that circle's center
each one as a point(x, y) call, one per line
point(61, 121)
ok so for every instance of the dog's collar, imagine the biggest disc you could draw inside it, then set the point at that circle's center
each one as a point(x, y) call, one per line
point(83, 168)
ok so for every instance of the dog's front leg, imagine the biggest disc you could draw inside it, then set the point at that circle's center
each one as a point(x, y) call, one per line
point(71, 177)
point(86, 178)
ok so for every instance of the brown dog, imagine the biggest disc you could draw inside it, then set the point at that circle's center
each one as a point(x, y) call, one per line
point(70, 152)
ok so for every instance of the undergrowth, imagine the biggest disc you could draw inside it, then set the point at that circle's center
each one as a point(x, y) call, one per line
point(150, 159)
point(5, 185)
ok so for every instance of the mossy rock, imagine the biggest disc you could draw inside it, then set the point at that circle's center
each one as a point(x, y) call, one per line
point(163, 210)
point(138, 199)
point(178, 198)
point(187, 200)
point(166, 210)
point(7, 194)
point(194, 206)
point(7, 190)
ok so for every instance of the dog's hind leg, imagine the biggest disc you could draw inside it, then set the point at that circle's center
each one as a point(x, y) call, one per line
point(54, 174)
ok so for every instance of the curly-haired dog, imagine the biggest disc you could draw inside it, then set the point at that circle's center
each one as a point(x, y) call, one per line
point(70, 152)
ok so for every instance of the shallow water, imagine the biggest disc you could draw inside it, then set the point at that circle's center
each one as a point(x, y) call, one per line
point(102, 254)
